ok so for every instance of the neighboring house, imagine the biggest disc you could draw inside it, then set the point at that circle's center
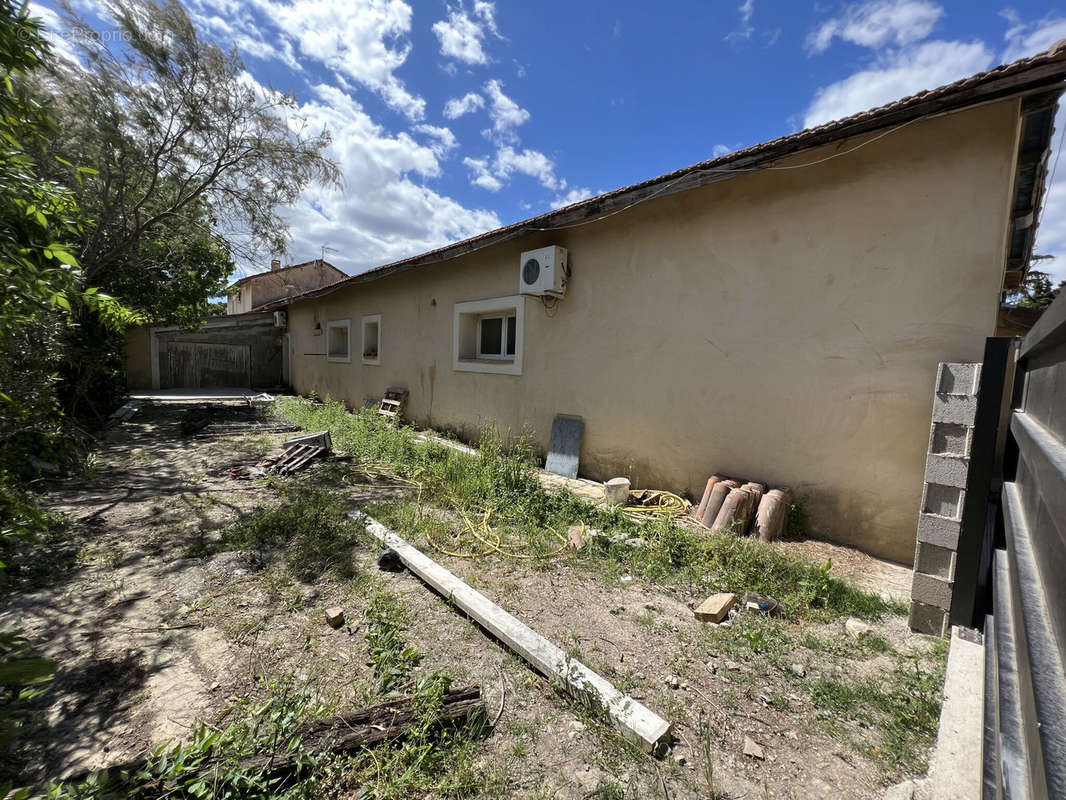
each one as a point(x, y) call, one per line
point(775, 314)
point(252, 292)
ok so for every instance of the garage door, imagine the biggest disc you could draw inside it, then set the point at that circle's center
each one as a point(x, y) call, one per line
point(199, 365)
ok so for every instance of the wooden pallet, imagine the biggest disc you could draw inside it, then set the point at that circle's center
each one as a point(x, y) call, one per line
point(392, 403)
point(297, 458)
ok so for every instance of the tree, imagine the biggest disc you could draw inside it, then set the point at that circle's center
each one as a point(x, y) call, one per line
point(194, 158)
point(1036, 291)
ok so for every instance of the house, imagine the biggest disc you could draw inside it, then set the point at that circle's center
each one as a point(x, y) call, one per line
point(252, 292)
point(777, 313)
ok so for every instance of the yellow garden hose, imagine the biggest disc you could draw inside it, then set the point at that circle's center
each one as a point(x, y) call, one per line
point(646, 504)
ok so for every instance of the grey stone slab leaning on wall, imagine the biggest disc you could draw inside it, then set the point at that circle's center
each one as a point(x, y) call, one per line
point(940, 516)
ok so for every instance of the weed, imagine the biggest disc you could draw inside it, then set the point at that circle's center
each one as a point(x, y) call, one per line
point(905, 708)
point(394, 660)
point(607, 789)
point(309, 525)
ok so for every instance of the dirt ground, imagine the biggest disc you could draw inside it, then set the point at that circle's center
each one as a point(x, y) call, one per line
point(150, 640)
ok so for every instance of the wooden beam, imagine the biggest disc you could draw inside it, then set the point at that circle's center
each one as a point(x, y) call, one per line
point(637, 723)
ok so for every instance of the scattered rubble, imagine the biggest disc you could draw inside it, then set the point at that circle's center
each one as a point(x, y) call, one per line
point(753, 749)
point(715, 607)
point(335, 616)
point(856, 628)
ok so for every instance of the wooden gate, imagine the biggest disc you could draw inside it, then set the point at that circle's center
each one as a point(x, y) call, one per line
point(200, 365)
point(1025, 635)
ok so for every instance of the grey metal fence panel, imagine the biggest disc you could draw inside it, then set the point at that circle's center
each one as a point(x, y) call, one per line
point(1025, 698)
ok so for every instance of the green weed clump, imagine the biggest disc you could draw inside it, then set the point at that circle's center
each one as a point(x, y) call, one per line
point(309, 526)
point(500, 485)
point(904, 708)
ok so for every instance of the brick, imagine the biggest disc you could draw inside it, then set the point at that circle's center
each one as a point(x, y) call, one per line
point(335, 616)
point(949, 439)
point(947, 470)
point(958, 379)
point(954, 409)
point(944, 501)
point(931, 591)
point(928, 619)
point(715, 607)
point(936, 561)
point(939, 531)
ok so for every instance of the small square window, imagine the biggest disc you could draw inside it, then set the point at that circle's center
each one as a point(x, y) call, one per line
point(496, 336)
point(372, 339)
point(488, 335)
point(337, 336)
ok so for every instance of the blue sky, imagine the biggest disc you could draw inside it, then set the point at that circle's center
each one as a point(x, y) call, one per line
point(450, 119)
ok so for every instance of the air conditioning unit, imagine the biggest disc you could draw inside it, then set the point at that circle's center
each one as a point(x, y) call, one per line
point(544, 272)
point(281, 319)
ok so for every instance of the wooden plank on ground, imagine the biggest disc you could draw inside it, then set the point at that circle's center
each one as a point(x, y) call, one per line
point(715, 607)
point(637, 723)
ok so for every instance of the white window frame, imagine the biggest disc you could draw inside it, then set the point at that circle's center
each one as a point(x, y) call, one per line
point(503, 316)
point(347, 325)
point(466, 335)
point(371, 319)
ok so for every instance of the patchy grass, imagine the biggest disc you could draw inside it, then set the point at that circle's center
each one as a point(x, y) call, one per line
point(903, 707)
point(309, 526)
point(494, 504)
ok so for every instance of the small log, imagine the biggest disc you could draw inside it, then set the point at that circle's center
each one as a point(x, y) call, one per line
point(343, 733)
point(735, 512)
point(718, 495)
point(772, 515)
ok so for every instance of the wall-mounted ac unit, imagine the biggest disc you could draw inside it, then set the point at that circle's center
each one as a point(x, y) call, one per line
point(544, 272)
point(281, 319)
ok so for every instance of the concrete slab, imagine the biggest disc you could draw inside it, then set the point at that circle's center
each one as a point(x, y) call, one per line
point(192, 395)
point(955, 766)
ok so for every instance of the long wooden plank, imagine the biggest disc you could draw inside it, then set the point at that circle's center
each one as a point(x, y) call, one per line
point(637, 723)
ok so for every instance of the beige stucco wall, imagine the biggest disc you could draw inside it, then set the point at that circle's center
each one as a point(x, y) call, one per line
point(783, 326)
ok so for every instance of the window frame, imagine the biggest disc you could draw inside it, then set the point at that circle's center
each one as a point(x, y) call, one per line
point(466, 335)
point(503, 355)
point(370, 319)
point(347, 325)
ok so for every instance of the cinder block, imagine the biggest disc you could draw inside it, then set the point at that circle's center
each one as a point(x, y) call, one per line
point(928, 619)
point(948, 439)
point(936, 561)
point(939, 531)
point(946, 470)
point(958, 379)
point(944, 501)
point(956, 409)
point(931, 591)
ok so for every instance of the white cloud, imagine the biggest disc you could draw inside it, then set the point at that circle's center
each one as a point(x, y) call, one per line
point(745, 29)
point(61, 45)
point(1026, 39)
point(527, 162)
point(468, 103)
point(505, 113)
point(486, 12)
point(366, 42)
point(575, 195)
point(461, 37)
point(896, 74)
point(481, 175)
point(384, 212)
point(444, 140)
point(720, 150)
point(878, 23)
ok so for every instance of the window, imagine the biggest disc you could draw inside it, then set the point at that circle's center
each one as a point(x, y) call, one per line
point(496, 336)
point(337, 331)
point(372, 339)
point(488, 335)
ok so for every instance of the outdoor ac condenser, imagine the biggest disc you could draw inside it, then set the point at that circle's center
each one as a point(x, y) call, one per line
point(544, 272)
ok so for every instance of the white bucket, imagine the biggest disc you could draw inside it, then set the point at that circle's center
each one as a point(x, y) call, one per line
point(616, 491)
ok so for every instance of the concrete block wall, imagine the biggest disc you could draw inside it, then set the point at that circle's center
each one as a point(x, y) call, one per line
point(940, 516)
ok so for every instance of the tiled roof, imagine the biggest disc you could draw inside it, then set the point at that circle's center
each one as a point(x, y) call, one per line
point(1042, 71)
point(247, 278)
